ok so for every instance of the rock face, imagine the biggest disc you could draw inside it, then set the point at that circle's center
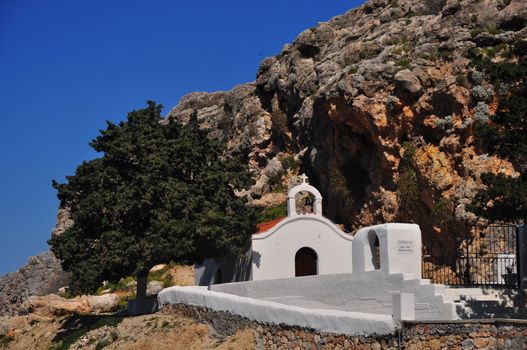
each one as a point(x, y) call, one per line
point(41, 275)
point(382, 91)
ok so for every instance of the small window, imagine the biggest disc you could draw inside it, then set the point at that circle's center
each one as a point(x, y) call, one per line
point(376, 254)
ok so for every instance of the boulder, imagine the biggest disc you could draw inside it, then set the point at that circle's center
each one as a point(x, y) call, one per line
point(41, 275)
point(54, 305)
point(407, 86)
point(154, 287)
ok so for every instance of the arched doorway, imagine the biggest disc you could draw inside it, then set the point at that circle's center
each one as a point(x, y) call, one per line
point(375, 250)
point(306, 261)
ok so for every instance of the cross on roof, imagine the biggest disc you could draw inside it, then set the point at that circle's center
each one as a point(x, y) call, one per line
point(303, 177)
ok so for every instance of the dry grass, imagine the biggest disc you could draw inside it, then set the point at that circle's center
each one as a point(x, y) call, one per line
point(142, 333)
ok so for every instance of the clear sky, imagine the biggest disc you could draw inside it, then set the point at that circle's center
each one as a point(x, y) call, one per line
point(68, 66)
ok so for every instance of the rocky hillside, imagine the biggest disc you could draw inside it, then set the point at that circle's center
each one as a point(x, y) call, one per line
point(377, 106)
point(41, 275)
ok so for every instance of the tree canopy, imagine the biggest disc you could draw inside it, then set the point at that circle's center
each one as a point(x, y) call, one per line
point(158, 193)
point(505, 134)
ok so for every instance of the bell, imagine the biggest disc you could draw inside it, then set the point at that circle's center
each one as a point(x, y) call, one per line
point(308, 201)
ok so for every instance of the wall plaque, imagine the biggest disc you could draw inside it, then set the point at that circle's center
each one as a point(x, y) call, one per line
point(405, 246)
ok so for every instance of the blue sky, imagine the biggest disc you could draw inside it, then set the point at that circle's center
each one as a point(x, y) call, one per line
point(68, 66)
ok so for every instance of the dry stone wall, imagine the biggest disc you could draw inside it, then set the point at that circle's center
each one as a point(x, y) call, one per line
point(483, 334)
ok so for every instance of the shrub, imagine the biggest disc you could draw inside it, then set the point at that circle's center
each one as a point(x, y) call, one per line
point(445, 123)
point(275, 180)
point(481, 112)
point(102, 344)
point(445, 54)
point(462, 80)
point(404, 63)
point(274, 212)
point(480, 93)
point(443, 214)
point(289, 162)
point(476, 77)
point(407, 189)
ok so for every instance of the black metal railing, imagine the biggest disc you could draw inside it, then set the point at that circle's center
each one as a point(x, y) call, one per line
point(486, 257)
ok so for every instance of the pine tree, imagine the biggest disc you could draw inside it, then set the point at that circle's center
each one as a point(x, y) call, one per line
point(159, 193)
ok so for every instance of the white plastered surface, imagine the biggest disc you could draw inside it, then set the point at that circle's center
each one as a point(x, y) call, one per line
point(343, 322)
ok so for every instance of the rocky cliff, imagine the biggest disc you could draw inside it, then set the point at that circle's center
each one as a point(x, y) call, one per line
point(377, 106)
point(41, 275)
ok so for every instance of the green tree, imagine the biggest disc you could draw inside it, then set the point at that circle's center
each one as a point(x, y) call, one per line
point(158, 193)
point(505, 134)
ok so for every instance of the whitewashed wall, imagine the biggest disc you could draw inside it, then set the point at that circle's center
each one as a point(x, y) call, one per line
point(274, 251)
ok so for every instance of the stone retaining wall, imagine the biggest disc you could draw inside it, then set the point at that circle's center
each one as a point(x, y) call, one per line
point(482, 334)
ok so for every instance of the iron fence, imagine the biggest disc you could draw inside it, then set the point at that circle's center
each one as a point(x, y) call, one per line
point(486, 257)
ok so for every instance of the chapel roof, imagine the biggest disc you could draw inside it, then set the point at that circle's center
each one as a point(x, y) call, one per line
point(267, 225)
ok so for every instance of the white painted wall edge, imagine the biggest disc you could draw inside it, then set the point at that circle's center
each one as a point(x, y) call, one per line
point(335, 321)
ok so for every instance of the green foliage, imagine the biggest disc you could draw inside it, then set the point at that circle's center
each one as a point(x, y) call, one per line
point(275, 181)
point(407, 184)
point(274, 212)
point(445, 54)
point(505, 198)
point(162, 275)
point(443, 213)
point(289, 162)
point(404, 63)
point(505, 135)
point(5, 339)
point(462, 80)
point(158, 193)
point(409, 150)
point(407, 190)
point(102, 344)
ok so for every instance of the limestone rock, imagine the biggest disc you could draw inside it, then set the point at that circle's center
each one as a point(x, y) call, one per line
point(41, 275)
point(435, 166)
point(154, 287)
point(407, 85)
point(54, 305)
point(64, 221)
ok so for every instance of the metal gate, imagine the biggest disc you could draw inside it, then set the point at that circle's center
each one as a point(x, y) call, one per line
point(487, 257)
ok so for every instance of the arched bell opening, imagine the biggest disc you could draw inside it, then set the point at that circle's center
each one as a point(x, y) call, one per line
point(304, 199)
point(306, 262)
point(305, 203)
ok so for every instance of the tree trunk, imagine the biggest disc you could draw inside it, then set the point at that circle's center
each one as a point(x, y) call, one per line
point(142, 283)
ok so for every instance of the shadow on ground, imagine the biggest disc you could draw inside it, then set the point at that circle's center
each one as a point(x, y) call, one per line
point(74, 327)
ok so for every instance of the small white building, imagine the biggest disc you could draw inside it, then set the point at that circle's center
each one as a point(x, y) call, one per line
point(307, 243)
point(300, 244)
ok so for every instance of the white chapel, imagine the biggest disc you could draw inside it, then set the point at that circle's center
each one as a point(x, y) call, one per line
point(300, 244)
